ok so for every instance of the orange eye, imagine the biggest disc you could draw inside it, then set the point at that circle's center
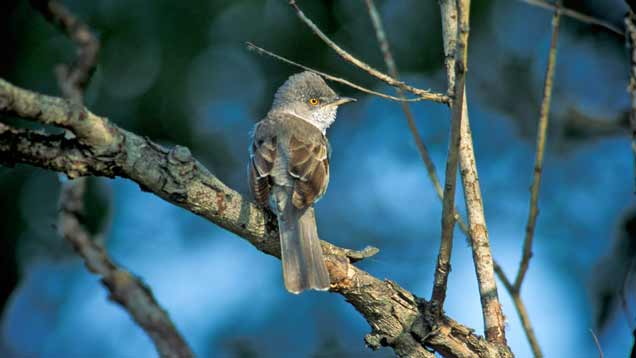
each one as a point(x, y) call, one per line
point(314, 101)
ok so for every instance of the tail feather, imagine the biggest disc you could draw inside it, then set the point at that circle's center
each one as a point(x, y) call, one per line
point(303, 262)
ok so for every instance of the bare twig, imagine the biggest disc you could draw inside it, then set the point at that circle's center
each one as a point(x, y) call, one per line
point(329, 77)
point(127, 290)
point(576, 15)
point(398, 319)
point(538, 164)
point(424, 94)
point(630, 20)
point(514, 289)
point(448, 210)
point(443, 265)
point(494, 321)
point(73, 79)
point(597, 343)
point(522, 312)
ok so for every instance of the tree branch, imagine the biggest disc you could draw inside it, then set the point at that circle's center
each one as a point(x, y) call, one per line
point(73, 79)
point(424, 94)
point(127, 290)
point(542, 129)
point(522, 312)
point(398, 319)
point(443, 260)
point(262, 51)
point(482, 257)
point(575, 15)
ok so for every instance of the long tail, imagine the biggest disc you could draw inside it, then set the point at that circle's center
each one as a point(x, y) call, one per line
point(303, 262)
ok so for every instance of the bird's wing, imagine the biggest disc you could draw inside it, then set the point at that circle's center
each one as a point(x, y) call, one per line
point(262, 157)
point(309, 166)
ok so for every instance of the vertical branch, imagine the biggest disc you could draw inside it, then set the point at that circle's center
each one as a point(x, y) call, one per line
point(482, 257)
point(538, 164)
point(448, 208)
point(514, 289)
point(443, 263)
point(126, 289)
point(630, 26)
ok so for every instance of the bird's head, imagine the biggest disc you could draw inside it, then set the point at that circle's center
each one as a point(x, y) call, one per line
point(307, 96)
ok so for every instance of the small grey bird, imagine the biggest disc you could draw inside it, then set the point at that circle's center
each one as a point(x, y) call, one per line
point(289, 171)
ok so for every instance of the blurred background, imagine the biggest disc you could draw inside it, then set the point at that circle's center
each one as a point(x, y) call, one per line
point(179, 73)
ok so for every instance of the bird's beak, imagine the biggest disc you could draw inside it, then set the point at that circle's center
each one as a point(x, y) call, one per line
point(342, 100)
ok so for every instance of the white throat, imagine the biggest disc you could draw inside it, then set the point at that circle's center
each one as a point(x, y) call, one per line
point(321, 119)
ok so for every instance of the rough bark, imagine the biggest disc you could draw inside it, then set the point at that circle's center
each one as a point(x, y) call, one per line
point(398, 319)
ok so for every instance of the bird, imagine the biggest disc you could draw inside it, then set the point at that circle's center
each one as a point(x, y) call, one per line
point(288, 171)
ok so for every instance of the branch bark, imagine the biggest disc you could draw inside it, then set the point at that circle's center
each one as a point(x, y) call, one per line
point(398, 318)
point(542, 129)
point(458, 20)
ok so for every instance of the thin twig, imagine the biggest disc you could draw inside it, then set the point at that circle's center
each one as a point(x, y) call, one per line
point(597, 343)
point(127, 290)
point(630, 20)
point(576, 15)
point(73, 79)
point(522, 312)
point(260, 50)
point(425, 94)
point(538, 165)
point(494, 321)
point(443, 262)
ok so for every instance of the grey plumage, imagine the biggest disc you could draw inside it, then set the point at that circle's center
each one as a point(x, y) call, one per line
point(289, 171)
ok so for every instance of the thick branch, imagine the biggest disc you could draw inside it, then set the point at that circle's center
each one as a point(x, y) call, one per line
point(398, 319)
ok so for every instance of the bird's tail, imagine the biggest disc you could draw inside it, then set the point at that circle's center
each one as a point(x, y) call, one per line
point(303, 262)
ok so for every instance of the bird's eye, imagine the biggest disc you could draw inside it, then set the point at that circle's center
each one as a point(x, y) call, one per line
point(314, 101)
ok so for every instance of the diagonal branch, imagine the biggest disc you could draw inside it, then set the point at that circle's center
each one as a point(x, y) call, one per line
point(575, 15)
point(398, 318)
point(262, 51)
point(126, 289)
point(424, 94)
